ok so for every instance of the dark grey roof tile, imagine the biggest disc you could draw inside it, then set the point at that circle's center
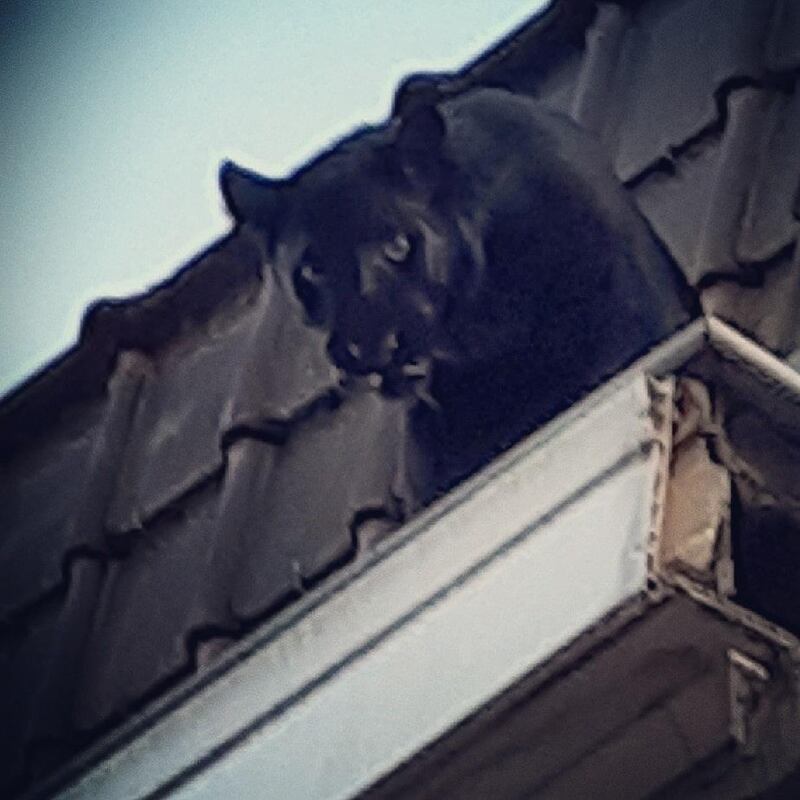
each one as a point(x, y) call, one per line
point(223, 274)
point(556, 89)
point(783, 48)
point(769, 224)
point(284, 366)
point(767, 310)
point(207, 645)
point(152, 600)
point(597, 88)
point(175, 442)
point(295, 511)
point(253, 560)
point(675, 204)
point(22, 658)
point(283, 515)
point(40, 661)
point(40, 494)
point(53, 498)
point(255, 369)
point(672, 89)
point(696, 210)
point(532, 53)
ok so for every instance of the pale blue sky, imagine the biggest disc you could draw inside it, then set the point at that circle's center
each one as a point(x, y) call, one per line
point(116, 115)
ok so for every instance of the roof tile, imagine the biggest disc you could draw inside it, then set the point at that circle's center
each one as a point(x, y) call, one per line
point(254, 369)
point(282, 515)
point(295, 511)
point(783, 48)
point(150, 603)
point(697, 210)
point(53, 498)
point(284, 365)
point(595, 94)
point(767, 310)
point(769, 224)
point(672, 89)
point(175, 438)
point(44, 657)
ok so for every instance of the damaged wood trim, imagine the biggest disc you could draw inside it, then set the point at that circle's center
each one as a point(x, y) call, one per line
point(695, 537)
point(712, 582)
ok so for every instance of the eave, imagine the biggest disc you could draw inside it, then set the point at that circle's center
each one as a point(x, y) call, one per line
point(537, 585)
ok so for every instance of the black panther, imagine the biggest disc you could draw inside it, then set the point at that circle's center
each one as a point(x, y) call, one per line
point(476, 249)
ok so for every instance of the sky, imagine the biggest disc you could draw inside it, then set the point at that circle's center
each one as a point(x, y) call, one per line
point(116, 115)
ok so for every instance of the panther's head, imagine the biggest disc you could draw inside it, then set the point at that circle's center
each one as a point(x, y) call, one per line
point(371, 237)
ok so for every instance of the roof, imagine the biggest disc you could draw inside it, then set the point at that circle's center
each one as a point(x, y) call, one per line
point(140, 459)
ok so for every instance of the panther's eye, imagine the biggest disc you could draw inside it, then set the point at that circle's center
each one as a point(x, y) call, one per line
point(309, 282)
point(311, 271)
point(398, 249)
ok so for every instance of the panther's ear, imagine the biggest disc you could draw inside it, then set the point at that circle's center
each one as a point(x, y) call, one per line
point(249, 197)
point(420, 139)
point(421, 88)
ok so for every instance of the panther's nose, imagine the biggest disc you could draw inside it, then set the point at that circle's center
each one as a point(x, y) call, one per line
point(372, 275)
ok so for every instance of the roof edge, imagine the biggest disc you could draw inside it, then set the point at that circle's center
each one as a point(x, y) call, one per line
point(143, 322)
